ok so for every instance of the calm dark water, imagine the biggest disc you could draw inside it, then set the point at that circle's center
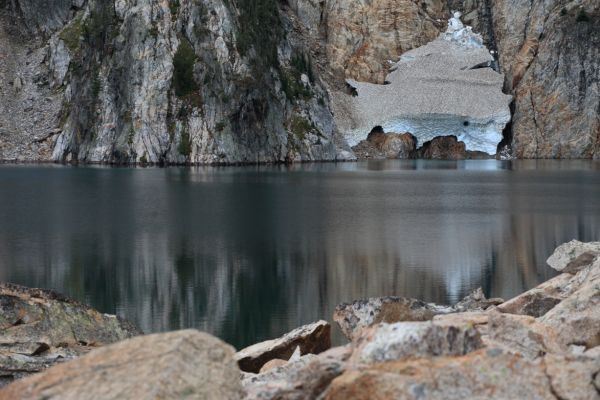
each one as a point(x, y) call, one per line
point(249, 253)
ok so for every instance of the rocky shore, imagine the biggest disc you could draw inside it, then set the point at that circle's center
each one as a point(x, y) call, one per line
point(542, 344)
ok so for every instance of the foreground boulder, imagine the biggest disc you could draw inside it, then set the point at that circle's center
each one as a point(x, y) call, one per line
point(386, 342)
point(485, 374)
point(183, 364)
point(39, 328)
point(355, 316)
point(311, 339)
point(578, 316)
point(304, 378)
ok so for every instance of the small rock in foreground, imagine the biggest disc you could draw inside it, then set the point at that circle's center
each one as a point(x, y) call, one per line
point(313, 338)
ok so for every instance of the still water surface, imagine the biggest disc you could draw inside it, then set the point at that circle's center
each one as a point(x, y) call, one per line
point(248, 253)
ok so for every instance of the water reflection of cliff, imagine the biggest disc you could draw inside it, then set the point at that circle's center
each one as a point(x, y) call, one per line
point(248, 254)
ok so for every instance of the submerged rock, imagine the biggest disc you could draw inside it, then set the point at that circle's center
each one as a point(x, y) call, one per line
point(433, 91)
point(313, 338)
point(39, 328)
point(183, 364)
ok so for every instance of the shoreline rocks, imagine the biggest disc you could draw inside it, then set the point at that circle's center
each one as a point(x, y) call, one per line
point(543, 344)
point(182, 364)
point(40, 328)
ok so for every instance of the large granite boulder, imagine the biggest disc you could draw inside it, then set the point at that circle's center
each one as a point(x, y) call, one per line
point(311, 339)
point(39, 328)
point(184, 364)
point(485, 374)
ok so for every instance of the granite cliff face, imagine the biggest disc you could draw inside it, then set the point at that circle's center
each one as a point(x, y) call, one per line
point(167, 81)
point(549, 51)
point(215, 81)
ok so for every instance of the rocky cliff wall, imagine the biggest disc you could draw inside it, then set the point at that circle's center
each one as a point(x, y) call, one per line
point(174, 82)
point(216, 81)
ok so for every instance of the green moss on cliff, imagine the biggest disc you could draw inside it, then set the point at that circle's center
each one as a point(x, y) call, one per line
point(185, 146)
point(260, 29)
point(184, 82)
point(72, 33)
point(300, 127)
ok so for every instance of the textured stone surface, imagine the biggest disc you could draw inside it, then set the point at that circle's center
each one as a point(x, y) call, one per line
point(311, 339)
point(574, 256)
point(355, 316)
point(443, 148)
point(572, 378)
point(362, 36)
point(539, 300)
point(484, 374)
point(577, 317)
point(39, 328)
point(183, 364)
point(381, 145)
point(387, 342)
point(111, 94)
point(522, 335)
point(305, 378)
point(550, 51)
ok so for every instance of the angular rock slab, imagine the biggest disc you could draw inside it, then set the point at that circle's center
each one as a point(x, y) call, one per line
point(183, 364)
point(305, 378)
point(485, 374)
point(577, 317)
point(574, 256)
point(39, 328)
point(388, 342)
point(312, 339)
point(539, 300)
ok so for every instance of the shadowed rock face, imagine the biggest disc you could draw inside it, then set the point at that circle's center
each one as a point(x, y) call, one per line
point(309, 339)
point(184, 364)
point(39, 328)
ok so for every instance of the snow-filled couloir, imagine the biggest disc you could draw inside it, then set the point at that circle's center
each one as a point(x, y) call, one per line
point(447, 87)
